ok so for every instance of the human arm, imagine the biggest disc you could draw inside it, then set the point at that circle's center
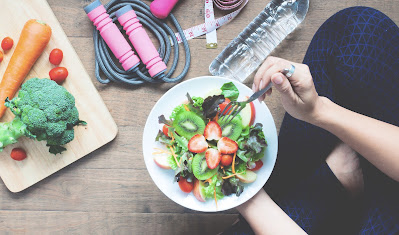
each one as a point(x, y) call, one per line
point(266, 217)
point(373, 139)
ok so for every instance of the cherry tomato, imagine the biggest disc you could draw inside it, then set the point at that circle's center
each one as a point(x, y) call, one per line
point(56, 56)
point(1, 56)
point(7, 43)
point(224, 104)
point(18, 154)
point(185, 186)
point(258, 165)
point(226, 160)
point(58, 74)
point(165, 130)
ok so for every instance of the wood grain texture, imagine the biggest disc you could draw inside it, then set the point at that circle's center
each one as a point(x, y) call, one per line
point(101, 128)
point(110, 191)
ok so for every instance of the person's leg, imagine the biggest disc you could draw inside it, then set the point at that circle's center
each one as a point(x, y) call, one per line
point(358, 66)
point(351, 59)
point(371, 88)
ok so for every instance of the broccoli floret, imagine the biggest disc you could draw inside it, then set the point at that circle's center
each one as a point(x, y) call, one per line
point(43, 110)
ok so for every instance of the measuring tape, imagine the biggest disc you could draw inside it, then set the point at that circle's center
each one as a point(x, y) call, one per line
point(211, 37)
point(212, 24)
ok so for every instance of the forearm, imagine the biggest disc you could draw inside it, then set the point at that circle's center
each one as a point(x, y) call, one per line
point(375, 140)
point(266, 217)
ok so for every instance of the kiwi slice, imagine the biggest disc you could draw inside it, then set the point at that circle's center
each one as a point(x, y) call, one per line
point(233, 129)
point(200, 168)
point(188, 124)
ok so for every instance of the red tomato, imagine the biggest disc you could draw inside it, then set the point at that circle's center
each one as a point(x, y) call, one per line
point(7, 43)
point(226, 160)
point(58, 74)
point(185, 186)
point(18, 154)
point(258, 165)
point(165, 130)
point(56, 56)
point(1, 56)
point(224, 104)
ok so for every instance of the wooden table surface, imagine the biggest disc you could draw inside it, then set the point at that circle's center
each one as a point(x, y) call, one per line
point(110, 191)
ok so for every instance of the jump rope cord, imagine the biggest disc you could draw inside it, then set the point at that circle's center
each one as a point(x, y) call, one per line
point(163, 33)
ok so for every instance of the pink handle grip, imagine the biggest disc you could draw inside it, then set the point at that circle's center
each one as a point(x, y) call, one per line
point(112, 36)
point(162, 8)
point(141, 41)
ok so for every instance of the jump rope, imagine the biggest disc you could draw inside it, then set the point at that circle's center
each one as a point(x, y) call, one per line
point(132, 15)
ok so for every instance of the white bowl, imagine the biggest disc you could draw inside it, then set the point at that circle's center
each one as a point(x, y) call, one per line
point(164, 178)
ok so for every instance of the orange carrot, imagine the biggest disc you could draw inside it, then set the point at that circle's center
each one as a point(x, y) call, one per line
point(34, 37)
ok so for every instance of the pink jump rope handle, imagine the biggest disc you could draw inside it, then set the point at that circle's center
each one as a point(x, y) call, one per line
point(112, 36)
point(141, 42)
point(162, 8)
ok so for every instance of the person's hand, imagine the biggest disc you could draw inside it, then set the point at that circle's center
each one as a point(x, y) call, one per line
point(298, 94)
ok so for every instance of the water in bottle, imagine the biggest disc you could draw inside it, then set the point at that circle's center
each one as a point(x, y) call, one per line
point(248, 50)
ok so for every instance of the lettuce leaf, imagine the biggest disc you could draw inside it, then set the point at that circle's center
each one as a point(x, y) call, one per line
point(229, 90)
point(180, 140)
point(211, 105)
point(198, 101)
point(172, 163)
point(162, 138)
point(216, 183)
point(176, 111)
point(251, 144)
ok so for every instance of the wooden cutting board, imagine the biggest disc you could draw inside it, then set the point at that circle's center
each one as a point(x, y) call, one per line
point(101, 128)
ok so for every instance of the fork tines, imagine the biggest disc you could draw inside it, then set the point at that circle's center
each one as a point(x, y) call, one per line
point(230, 111)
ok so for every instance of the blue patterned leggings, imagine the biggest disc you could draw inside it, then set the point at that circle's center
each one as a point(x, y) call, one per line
point(354, 61)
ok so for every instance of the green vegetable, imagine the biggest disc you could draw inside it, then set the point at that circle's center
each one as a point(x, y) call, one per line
point(195, 105)
point(251, 144)
point(180, 140)
point(176, 111)
point(198, 101)
point(241, 167)
point(43, 110)
point(229, 90)
point(172, 163)
point(211, 105)
point(162, 138)
point(209, 190)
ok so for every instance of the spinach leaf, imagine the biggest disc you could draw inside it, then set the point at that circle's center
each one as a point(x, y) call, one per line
point(229, 90)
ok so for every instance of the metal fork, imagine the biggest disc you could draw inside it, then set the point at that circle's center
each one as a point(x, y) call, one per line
point(235, 107)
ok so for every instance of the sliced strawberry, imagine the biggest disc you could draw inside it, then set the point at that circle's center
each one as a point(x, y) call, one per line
point(213, 131)
point(212, 157)
point(227, 146)
point(197, 144)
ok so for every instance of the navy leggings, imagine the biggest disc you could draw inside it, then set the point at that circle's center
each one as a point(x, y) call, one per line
point(354, 61)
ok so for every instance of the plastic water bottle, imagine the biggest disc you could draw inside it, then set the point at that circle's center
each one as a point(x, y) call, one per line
point(250, 48)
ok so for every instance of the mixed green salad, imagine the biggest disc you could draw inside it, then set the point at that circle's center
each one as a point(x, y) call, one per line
point(209, 160)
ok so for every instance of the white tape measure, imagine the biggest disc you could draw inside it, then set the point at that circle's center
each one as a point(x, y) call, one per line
point(210, 25)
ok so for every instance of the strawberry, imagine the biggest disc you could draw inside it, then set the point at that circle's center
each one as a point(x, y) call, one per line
point(197, 144)
point(213, 131)
point(227, 146)
point(212, 157)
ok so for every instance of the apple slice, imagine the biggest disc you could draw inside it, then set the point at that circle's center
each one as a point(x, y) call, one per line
point(162, 160)
point(197, 191)
point(248, 114)
point(248, 177)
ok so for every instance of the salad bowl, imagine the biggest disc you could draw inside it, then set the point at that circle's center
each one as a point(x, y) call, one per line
point(164, 179)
